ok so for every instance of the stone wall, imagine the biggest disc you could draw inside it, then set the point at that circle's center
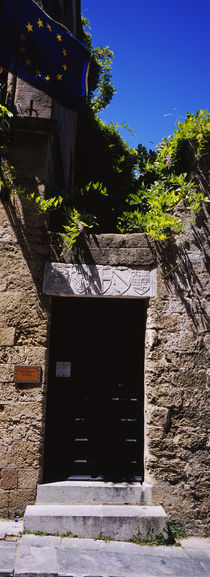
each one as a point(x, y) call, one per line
point(177, 373)
point(25, 100)
point(24, 317)
point(24, 312)
point(176, 358)
point(177, 381)
point(42, 143)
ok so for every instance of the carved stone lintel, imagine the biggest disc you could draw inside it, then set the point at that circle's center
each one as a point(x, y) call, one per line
point(98, 280)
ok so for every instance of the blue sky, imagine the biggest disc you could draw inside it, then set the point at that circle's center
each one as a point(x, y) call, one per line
point(161, 67)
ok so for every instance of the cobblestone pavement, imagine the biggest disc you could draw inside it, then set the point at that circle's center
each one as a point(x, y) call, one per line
point(48, 556)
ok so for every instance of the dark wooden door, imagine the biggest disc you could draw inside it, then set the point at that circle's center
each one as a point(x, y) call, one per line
point(94, 425)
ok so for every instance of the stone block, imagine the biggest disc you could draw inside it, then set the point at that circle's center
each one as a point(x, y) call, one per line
point(207, 344)
point(42, 102)
point(113, 241)
point(15, 355)
point(8, 393)
point(172, 322)
point(89, 492)
point(118, 521)
point(6, 373)
point(7, 336)
point(152, 337)
point(26, 453)
point(7, 559)
point(31, 561)
point(28, 478)
point(9, 477)
point(191, 438)
point(4, 412)
point(5, 457)
point(4, 503)
point(23, 309)
point(36, 355)
point(27, 410)
point(98, 280)
point(156, 416)
point(122, 257)
point(19, 499)
point(7, 234)
point(34, 393)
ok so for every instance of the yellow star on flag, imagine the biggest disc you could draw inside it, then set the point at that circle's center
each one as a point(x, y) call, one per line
point(38, 73)
point(47, 77)
point(40, 23)
point(29, 27)
point(59, 38)
point(64, 52)
point(49, 27)
point(59, 76)
point(64, 66)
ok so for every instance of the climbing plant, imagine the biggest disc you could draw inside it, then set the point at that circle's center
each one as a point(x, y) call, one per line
point(100, 86)
point(118, 188)
point(162, 186)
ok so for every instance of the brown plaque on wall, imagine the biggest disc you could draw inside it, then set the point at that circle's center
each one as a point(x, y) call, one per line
point(27, 374)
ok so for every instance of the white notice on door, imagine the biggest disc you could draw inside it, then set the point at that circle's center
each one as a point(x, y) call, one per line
point(63, 369)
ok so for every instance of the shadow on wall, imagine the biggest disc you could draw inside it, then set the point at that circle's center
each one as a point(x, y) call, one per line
point(25, 248)
point(185, 268)
point(30, 230)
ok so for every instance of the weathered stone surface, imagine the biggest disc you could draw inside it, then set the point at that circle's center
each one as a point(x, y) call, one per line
point(9, 477)
point(108, 249)
point(5, 457)
point(19, 499)
point(90, 493)
point(26, 453)
point(7, 336)
point(7, 559)
point(23, 410)
point(4, 412)
point(176, 347)
point(28, 479)
point(4, 503)
point(121, 522)
point(7, 373)
point(98, 280)
point(11, 392)
point(175, 384)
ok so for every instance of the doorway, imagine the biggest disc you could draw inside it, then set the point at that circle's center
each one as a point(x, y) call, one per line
point(94, 421)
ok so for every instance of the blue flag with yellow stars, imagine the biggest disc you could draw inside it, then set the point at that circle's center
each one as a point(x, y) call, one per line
point(43, 52)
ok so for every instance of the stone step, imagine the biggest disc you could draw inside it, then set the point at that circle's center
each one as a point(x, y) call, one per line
point(90, 493)
point(120, 522)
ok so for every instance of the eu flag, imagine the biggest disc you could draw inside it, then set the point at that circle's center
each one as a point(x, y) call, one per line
point(43, 52)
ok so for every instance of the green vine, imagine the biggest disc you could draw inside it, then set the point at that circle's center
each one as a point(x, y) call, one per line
point(5, 116)
point(43, 205)
point(101, 88)
point(194, 129)
point(152, 207)
point(77, 224)
point(155, 193)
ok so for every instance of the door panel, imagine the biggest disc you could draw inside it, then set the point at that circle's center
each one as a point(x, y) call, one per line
point(94, 425)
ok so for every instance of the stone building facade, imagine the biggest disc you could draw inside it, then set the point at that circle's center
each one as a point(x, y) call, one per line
point(171, 280)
